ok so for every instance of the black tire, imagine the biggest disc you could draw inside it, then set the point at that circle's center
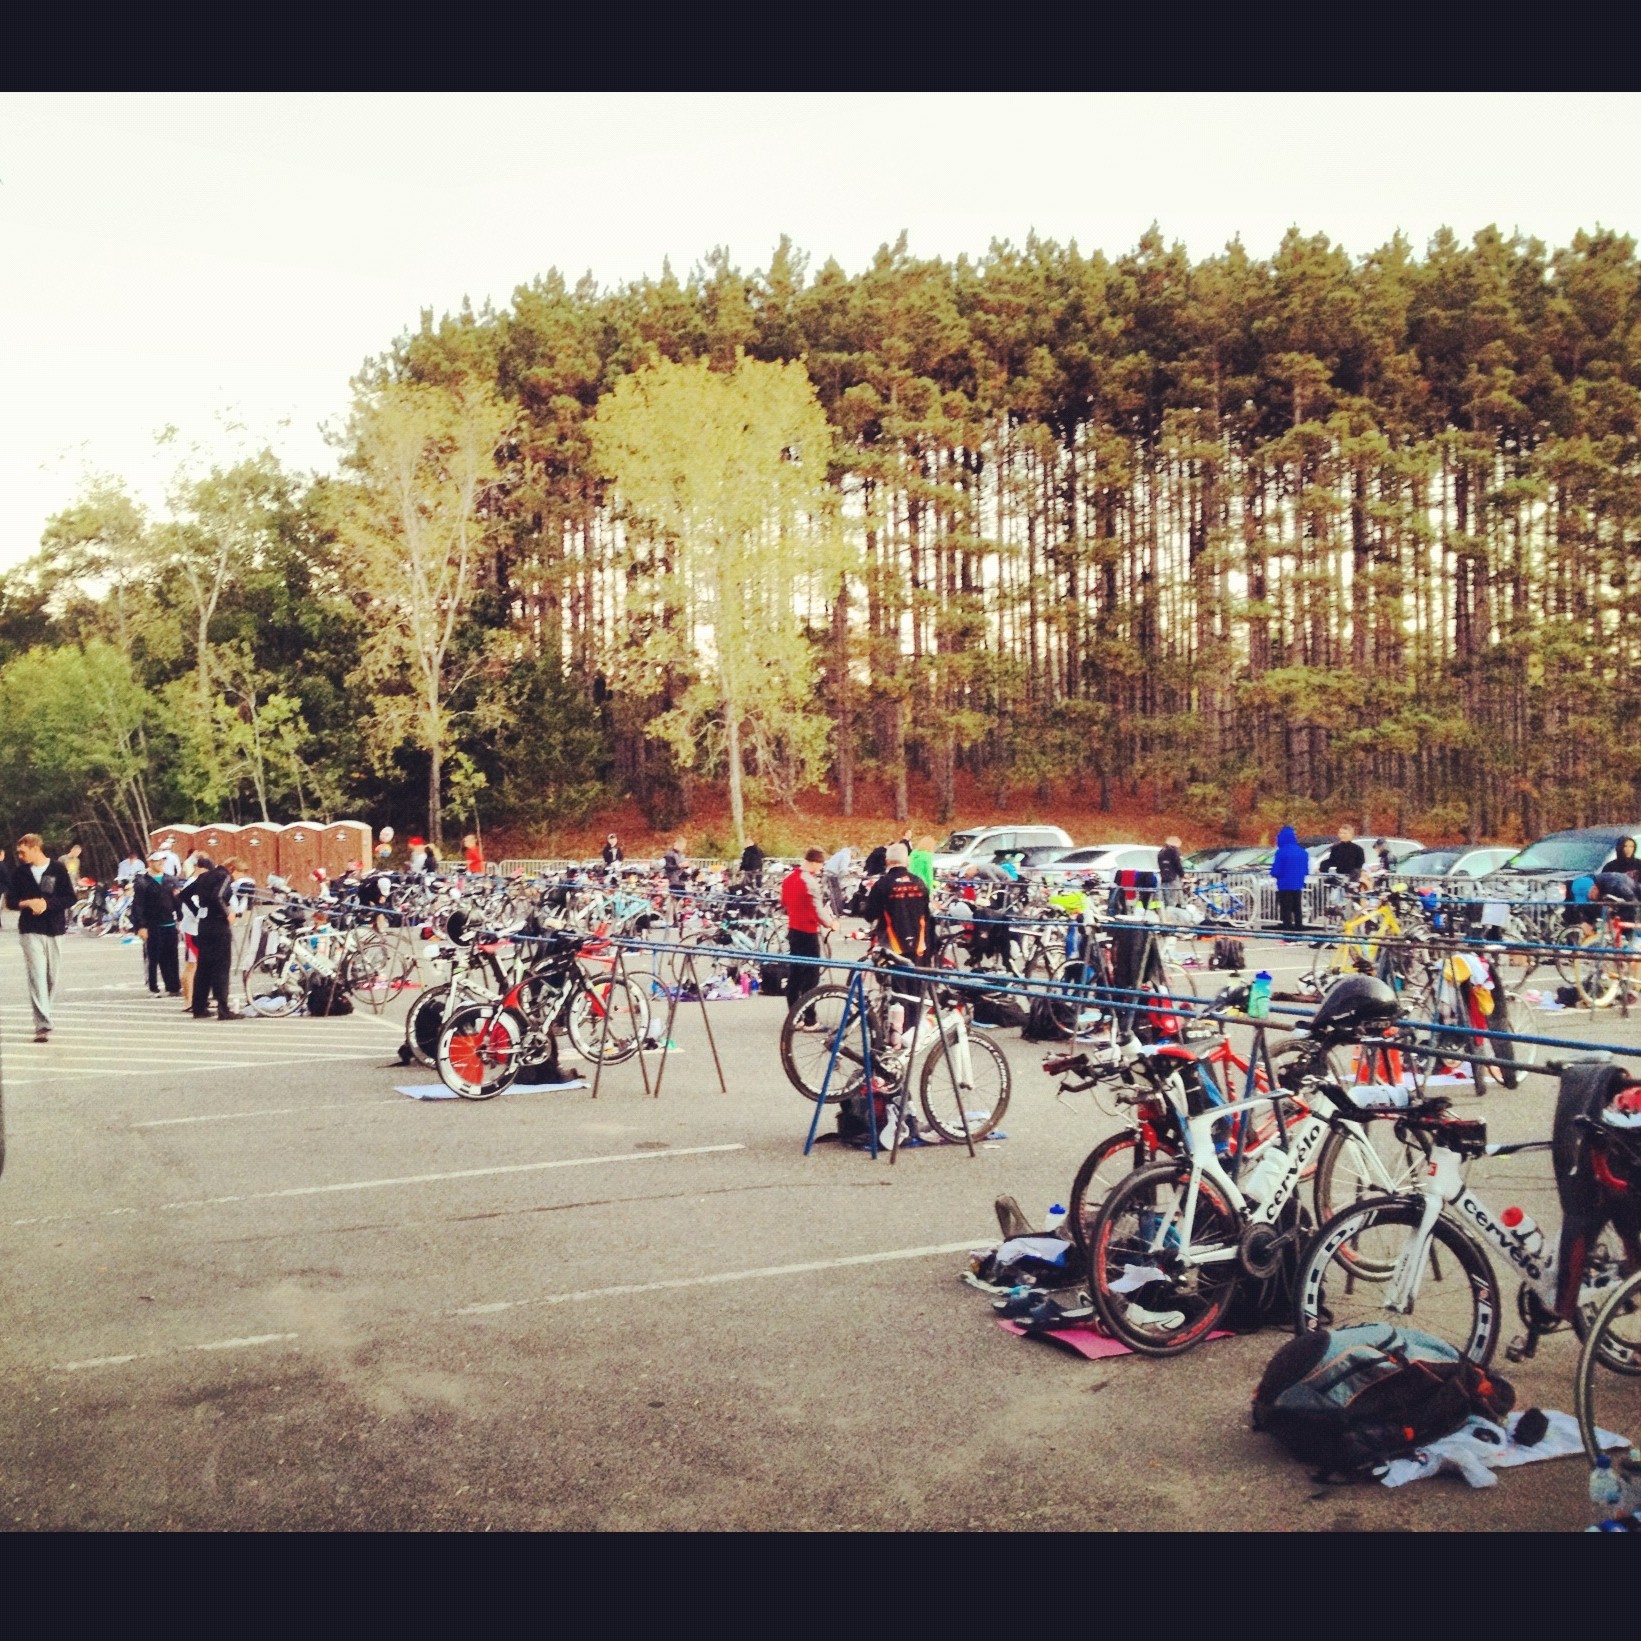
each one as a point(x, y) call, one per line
point(424, 1023)
point(1604, 1270)
point(629, 1020)
point(982, 1094)
point(1607, 1400)
point(272, 990)
point(1181, 1307)
point(1100, 1172)
point(481, 1051)
point(1458, 1297)
point(805, 1054)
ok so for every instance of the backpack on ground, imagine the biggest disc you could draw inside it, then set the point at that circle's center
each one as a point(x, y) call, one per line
point(999, 1011)
point(772, 979)
point(1043, 1023)
point(1348, 1399)
point(1229, 954)
point(327, 995)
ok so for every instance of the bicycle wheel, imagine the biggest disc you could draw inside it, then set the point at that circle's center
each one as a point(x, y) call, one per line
point(1100, 1172)
point(1455, 1293)
point(1079, 1012)
point(811, 1027)
point(1146, 1296)
point(365, 974)
point(1607, 1400)
point(423, 1024)
point(1596, 975)
point(480, 1052)
point(1356, 1165)
point(1605, 1267)
point(977, 1067)
point(627, 1009)
point(273, 987)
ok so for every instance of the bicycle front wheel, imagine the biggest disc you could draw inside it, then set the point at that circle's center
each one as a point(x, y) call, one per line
point(1605, 1399)
point(1451, 1291)
point(1161, 1284)
point(965, 1076)
point(608, 1020)
point(1102, 1170)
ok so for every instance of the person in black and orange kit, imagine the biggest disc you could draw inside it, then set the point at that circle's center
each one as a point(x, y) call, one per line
point(898, 909)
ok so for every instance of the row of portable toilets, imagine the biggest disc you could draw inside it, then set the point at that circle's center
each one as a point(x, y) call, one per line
point(294, 852)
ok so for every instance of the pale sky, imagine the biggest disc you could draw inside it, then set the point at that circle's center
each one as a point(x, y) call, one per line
point(202, 261)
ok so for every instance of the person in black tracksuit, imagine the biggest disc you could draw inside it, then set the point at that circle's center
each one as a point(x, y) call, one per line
point(211, 894)
point(154, 917)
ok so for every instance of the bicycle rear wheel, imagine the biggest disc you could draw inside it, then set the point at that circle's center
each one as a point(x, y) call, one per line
point(811, 1027)
point(1146, 1296)
point(1455, 1293)
point(980, 1073)
point(1605, 1399)
point(1100, 1172)
point(424, 1023)
point(272, 988)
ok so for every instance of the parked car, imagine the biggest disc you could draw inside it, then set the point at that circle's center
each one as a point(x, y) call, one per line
point(1102, 862)
point(1569, 853)
point(984, 843)
point(1461, 862)
point(1209, 860)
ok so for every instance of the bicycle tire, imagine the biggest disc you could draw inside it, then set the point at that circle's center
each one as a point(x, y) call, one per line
point(1105, 1167)
point(806, 1053)
point(629, 1024)
point(1198, 1295)
point(271, 990)
point(424, 1023)
point(1326, 1291)
point(1621, 1310)
point(480, 1051)
point(983, 1093)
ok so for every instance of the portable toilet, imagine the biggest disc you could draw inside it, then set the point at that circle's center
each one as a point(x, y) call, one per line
point(219, 842)
point(345, 844)
point(301, 846)
point(258, 849)
point(178, 839)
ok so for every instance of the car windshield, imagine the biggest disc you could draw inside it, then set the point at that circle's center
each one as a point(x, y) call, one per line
point(1429, 862)
point(1563, 855)
point(957, 843)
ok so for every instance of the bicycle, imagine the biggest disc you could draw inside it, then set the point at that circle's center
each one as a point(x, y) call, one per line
point(964, 1082)
point(1384, 1255)
point(483, 1047)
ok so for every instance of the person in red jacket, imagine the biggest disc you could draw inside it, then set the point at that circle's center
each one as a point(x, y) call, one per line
point(806, 916)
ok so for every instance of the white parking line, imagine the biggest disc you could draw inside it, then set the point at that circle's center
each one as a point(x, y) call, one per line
point(279, 1111)
point(150, 1355)
point(721, 1277)
point(379, 1184)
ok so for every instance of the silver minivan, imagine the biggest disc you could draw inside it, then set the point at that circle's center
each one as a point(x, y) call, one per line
point(978, 843)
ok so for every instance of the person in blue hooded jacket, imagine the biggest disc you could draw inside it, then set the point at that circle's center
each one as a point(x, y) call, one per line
point(1290, 869)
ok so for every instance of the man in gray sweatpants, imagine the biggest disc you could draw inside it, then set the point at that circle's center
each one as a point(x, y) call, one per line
point(41, 892)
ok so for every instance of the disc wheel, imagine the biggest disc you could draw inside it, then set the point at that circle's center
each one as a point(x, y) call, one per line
point(1146, 1295)
point(964, 1077)
point(480, 1052)
point(1455, 1294)
point(424, 1023)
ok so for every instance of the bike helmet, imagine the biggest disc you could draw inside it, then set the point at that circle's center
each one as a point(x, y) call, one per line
point(1358, 1002)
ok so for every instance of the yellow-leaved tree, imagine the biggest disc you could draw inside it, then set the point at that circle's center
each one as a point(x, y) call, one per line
point(423, 458)
point(725, 473)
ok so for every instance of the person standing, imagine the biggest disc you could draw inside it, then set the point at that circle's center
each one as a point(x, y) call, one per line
point(472, 855)
point(805, 918)
point(674, 863)
point(1290, 868)
point(154, 917)
point(1345, 857)
point(752, 866)
point(921, 862)
point(836, 871)
point(130, 868)
point(898, 908)
point(211, 896)
point(1625, 860)
point(612, 851)
point(188, 927)
point(41, 892)
point(1171, 872)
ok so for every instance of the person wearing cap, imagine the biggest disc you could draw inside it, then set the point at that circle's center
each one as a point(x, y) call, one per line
point(154, 917)
point(806, 916)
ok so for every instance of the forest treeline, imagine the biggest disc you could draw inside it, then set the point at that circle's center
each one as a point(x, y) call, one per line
point(1292, 535)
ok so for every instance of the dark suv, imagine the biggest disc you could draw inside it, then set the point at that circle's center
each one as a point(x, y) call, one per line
point(1570, 853)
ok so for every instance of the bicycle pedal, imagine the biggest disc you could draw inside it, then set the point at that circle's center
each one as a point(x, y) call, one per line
point(1521, 1348)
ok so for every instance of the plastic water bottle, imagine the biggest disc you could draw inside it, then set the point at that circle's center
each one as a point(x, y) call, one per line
point(1629, 1479)
point(1055, 1218)
point(1379, 1096)
point(1267, 1171)
point(1606, 1490)
point(1523, 1229)
point(1259, 996)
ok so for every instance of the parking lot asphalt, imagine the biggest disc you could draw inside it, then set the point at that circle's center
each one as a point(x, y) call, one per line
point(250, 1285)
